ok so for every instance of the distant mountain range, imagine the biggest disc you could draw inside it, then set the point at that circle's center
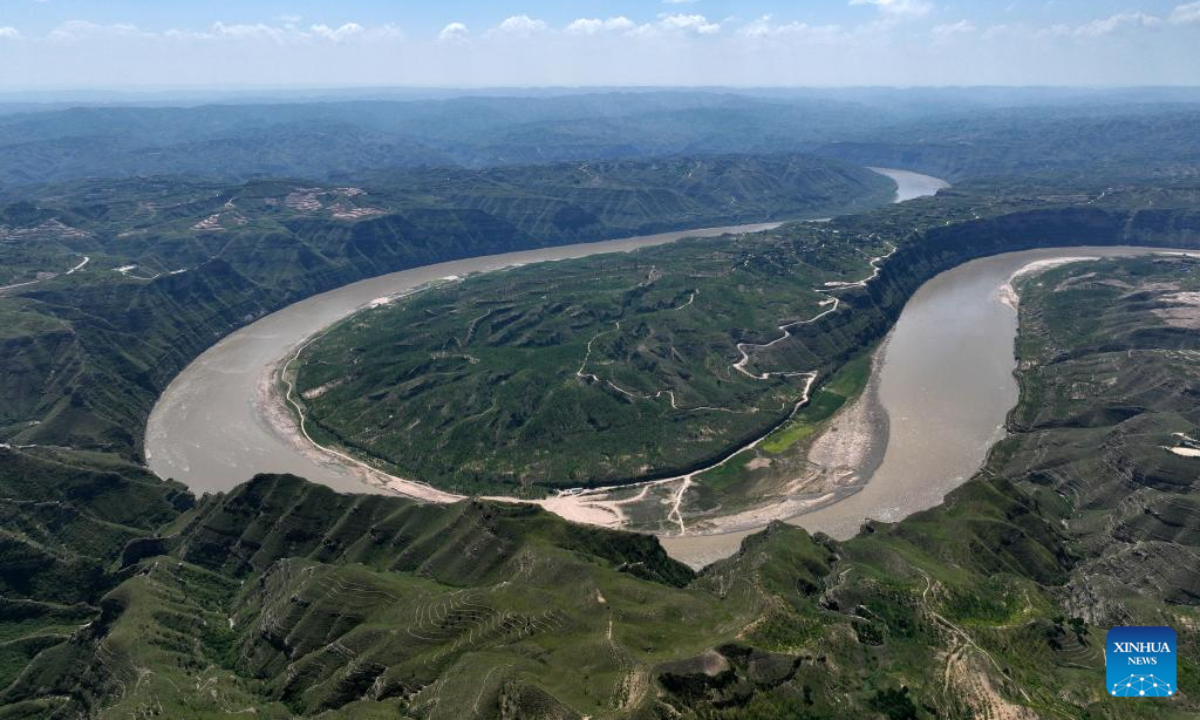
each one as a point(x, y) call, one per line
point(963, 133)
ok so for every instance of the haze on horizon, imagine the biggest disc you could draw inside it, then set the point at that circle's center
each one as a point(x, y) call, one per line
point(134, 44)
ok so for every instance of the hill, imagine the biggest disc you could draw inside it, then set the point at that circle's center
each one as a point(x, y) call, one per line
point(1139, 144)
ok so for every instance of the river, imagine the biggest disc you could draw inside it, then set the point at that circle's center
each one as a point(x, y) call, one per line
point(911, 185)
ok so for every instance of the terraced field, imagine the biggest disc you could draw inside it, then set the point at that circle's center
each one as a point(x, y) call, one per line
point(1111, 356)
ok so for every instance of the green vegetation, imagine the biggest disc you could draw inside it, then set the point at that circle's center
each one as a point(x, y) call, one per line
point(584, 372)
point(843, 387)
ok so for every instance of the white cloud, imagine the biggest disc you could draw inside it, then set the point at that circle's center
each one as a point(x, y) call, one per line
point(521, 26)
point(763, 28)
point(455, 32)
point(1120, 21)
point(1099, 28)
point(667, 44)
point(284, 34)
point(1186, 14)
point(80, 29)
point(351, 31)
point(899, 8)
point(949, 30)
point(594, 26)
point(385, 31)
point(678, 2)
point(690, 23)
point(251, 31)
point(339, 34)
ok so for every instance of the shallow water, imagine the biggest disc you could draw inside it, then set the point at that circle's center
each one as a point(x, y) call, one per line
point(946, 383)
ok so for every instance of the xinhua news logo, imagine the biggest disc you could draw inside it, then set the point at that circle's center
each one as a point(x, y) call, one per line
point(1140, 661)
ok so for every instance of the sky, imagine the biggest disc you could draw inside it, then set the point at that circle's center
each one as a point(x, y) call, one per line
point(158, 44)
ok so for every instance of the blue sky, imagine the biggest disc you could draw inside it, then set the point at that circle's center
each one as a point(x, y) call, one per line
point(54, 44)
point(431, 17)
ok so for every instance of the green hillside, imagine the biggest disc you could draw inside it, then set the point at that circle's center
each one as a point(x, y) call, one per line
point(288, 599)
point(339, 138)
point(583, 372)
point(1139, 143)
